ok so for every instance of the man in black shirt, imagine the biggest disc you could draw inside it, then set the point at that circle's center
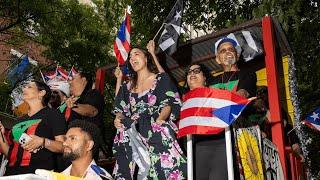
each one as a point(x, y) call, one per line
point(85, 103)
point(243, 83)
point(211, 160)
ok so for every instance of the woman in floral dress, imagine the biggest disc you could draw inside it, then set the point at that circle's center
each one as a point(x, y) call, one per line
point(145, 109)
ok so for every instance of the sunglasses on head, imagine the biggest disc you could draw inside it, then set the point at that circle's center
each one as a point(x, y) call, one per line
point(195, 71)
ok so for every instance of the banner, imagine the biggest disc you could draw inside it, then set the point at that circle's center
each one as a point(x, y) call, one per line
point(248, 142)
point(272, 161)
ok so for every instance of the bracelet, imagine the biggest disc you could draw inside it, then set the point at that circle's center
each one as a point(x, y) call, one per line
point(43, 142)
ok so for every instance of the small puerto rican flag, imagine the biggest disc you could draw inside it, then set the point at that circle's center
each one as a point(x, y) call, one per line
point(122, 42)
point(313, 120)
point(209, 111)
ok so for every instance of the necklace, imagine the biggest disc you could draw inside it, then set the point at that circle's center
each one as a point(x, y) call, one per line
point(225, 83)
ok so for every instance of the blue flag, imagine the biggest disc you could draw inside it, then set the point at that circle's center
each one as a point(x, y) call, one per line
point(19, 72)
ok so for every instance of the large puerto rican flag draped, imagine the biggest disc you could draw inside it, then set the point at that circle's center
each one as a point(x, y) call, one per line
point(313, 119)
point(209, 111)
point(122, 43)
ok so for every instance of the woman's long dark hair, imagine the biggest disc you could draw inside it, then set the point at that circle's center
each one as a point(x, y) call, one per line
point(43, 86)
point(150, 65)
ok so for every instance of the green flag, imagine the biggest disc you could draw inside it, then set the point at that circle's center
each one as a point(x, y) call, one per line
point(227, 86)
point(21, 127)
point(62, 107)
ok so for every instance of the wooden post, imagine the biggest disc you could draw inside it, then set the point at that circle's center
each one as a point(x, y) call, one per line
point(273, 90)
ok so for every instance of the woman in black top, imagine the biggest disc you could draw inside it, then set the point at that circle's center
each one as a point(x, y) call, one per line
point(44, 126)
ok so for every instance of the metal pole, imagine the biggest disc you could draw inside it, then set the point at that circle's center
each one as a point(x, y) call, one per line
point(229, 153)
point(189, 157)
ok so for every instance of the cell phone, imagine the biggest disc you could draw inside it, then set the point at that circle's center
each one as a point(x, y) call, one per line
point(24, 138)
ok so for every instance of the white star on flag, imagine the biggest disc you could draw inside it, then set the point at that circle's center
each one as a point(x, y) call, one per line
point(315, 116)
point(178, 15)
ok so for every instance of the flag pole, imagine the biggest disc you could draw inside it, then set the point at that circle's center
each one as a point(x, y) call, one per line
point(44, 80)
point(189, 157)
point(229, 153)
point(70, 72)
point(158, 31)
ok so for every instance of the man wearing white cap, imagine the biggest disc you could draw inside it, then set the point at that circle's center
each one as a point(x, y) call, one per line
point(228, 52)
point(211, 160)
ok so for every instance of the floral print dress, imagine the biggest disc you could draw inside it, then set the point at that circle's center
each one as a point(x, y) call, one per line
point(141, 110)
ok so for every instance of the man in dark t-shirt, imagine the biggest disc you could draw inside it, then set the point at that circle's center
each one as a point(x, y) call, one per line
point(211, 160)
point(85, 103)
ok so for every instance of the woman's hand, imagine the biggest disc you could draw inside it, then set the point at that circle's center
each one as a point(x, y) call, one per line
point(151, 47)
point(160, 121)
point(34, 144)
point(118, 73)
point(117, 121)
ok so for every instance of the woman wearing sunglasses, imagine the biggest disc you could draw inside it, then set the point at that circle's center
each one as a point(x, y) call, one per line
point(210, 151)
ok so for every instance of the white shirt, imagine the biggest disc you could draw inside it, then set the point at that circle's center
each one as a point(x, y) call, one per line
point(90, 174)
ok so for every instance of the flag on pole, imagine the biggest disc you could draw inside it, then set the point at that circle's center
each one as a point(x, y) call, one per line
point(49, 75)
point(72, 73)
point(209, 111)
point(20, 71)
point(168, 40)
point(313, 120)
point(121, 45)
point(62, 73)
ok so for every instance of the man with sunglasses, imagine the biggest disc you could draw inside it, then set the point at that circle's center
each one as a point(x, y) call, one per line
point(228, 52)
point(211, 160)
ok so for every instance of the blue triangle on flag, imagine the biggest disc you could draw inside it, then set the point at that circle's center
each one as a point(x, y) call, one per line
point(122, 31)
point(314, 117)
point(229, 113)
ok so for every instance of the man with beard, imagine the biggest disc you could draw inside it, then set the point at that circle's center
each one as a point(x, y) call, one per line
point(242, 82)
point(211, 160)
point(81, 143)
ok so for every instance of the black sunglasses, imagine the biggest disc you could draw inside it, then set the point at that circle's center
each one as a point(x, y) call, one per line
point(195, 71)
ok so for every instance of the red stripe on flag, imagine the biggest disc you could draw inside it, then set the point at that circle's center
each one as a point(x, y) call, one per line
point(126, 46)
point(311, 125)
point(128, 23)
point(198, 130)
point(196, 111)
point(214, 93)
point(26, 157)
point(14, 153)
point(118, 54)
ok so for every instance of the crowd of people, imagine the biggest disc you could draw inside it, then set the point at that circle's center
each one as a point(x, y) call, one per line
point(62, 128)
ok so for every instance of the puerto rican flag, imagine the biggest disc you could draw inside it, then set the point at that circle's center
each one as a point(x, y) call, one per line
point(72, 73)
point(122, 43)
point(209, 111)
point(62, 73)
point(49, 75)
point(313, 120)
